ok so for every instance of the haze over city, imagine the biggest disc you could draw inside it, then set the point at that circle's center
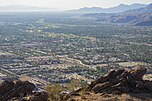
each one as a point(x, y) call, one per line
point(75, 50)
point(71, 4)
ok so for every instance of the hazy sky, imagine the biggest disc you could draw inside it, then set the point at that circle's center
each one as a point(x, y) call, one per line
point(71, 4)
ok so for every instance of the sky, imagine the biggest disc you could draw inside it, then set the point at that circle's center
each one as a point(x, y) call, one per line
point(71, 4)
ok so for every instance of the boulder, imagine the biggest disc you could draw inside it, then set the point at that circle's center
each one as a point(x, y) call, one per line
point(138, 72)
point(5, 87)
point(99, 87)
point(20, 90)
point(23, 88)
point(101, 79)
point(124, 81)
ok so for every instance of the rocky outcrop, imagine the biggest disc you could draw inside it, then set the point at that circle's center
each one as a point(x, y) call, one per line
point(122, 81)
point(118, 85)
point(20, 90)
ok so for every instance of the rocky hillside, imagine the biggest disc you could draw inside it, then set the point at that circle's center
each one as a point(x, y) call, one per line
point(118, 85)
point(20, 91)
point(138, 17)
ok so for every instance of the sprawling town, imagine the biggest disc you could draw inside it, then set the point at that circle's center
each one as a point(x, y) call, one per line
point(52, 49)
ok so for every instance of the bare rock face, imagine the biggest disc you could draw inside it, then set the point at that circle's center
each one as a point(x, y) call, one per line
point(39, 96)
point(117, 85)
point(20, 89)
point(148, 85)
point(5, 87)
point(122, 81)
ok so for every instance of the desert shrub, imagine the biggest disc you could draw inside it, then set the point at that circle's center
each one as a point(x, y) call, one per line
point(54, 91)
point(75, 84)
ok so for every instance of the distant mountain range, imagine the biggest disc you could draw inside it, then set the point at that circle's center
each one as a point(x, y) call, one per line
point(135, 14)
point(138, 17)
point(116, 9)
point(20, 8)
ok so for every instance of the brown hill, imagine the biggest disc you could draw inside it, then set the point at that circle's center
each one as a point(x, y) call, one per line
point(118, 85)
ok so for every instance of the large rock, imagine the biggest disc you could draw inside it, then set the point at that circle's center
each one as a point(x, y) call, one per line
point(138, 72)
point(102, 79)
point(20, 89)
point(5, 87)
point(123, 81)
point(99, 87)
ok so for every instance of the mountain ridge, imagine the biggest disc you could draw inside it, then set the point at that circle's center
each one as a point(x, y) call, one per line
point(138, 17)
point(115, 9)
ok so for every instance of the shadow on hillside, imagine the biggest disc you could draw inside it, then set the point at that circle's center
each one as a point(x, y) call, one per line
point(142, 96)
